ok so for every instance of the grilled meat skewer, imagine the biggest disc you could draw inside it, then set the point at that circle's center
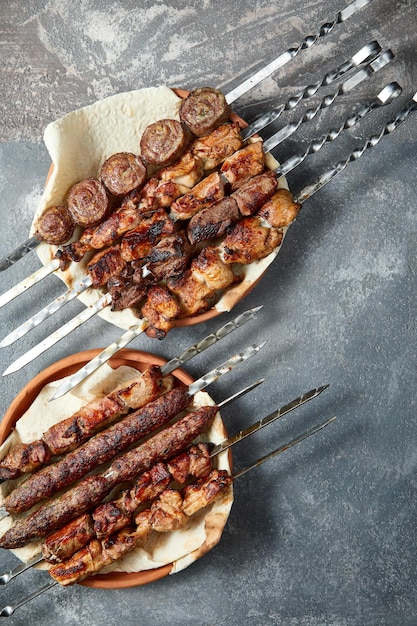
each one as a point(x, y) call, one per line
point(109, 517)
point(89, 492)
point(74, 535)
point(87, 421)
point(365, 53)
point(169, 511)
point(97, 450)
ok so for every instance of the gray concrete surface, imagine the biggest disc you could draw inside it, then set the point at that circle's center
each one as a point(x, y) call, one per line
point(325, 534)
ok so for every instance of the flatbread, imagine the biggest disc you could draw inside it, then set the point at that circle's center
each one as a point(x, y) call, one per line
point(181, 547)
point(82, 140)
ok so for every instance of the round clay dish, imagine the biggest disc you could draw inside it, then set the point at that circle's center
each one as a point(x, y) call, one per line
point(65, 367)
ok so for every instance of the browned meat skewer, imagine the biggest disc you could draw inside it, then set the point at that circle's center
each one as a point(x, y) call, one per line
point(88, 420)
point(112, 516)
point(170, 511)
point(96, 451)
point(89, 492)
point(199, 287)
point(214, 220)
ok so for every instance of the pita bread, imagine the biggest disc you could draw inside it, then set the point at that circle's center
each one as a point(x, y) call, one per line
point(82, 140)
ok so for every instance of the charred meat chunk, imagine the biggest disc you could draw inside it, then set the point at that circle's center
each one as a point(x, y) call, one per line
point(123, 172)
point(255, 192)
point(163, 142)
point(213, 221)
point(203, 110)
point(55, 225)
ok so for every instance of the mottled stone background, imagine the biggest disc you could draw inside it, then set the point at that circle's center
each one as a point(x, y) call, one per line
point(325, 534)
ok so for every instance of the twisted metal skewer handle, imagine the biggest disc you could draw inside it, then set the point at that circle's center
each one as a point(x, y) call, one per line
point(370, 142)
point(289, 54)
point(364, 55)
point(349, 84)
point(389, 93)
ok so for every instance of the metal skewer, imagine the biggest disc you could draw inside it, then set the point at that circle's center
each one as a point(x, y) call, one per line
point(32, 242)
point(386, 96)
point(364, 55)
point(371, 142)
point(8, 610)
point(329, 100)
point(59, 334)
point(128, 336)
point(285, 57)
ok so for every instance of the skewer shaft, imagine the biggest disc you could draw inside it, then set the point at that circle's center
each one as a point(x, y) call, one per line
point(19, 252)
point(386, 96)
point(364, 55)
point(166, 369)
point(370, 142)
point(28, 282)
point(59, 334)
point(285, 57)
point(326, 102)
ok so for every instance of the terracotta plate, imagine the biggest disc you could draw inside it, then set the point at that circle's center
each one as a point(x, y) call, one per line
point(213, 312)
point(67, 366)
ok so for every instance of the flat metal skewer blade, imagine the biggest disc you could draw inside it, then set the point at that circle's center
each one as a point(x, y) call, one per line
point(44, 313)
point(209, 340)
point(364, 55)
point(224, 368)
point(19, 569)
point(98, 360)
point(8, 610)
point(59, 334)
point(128, 336)
point(289, 54)
point(272, 417)
point(386, 96)
point(29, 281)
point(241, 393)
point(288, 130)
point(371, 142)
point(19, 252)
point(283, 448)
